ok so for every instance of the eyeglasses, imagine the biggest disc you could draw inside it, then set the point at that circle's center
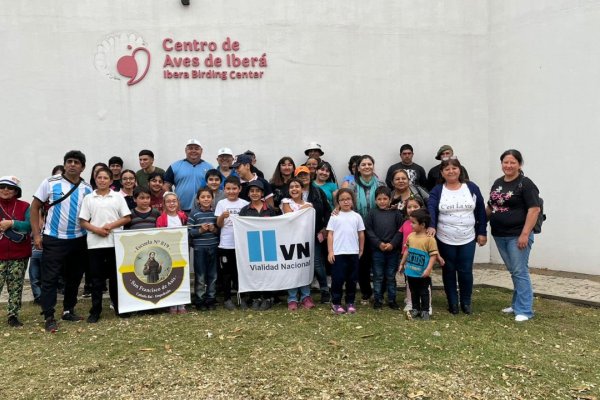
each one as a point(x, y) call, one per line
point(9, 187)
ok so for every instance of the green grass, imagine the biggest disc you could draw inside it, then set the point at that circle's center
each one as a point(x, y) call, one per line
point(276, 354)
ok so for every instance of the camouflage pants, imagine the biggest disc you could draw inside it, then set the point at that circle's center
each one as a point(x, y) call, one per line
point(13, 272)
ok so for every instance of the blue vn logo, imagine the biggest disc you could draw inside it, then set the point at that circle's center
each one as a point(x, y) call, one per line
point(262, 247)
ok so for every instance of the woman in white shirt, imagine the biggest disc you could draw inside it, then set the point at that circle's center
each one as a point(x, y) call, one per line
point(458, 221)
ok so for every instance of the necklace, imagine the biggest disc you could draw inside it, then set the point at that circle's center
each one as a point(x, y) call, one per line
point(11, 215)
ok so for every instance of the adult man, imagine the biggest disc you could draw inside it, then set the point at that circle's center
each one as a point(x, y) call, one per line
point(416, 173)
point(146, 159)
point(225, 160)
point(115, 164)
point(63, 241)
point(242, 166)
point(253, 168)
point(433, 176)
point(314, 151)
point(188, 174)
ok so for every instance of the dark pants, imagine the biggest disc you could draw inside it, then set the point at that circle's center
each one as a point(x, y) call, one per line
point(385, 265)
point(205, 271)
point(344, 270)
point(459, 264)
point(72, 253)
point(419, 292)
point(228, 271)
point(102, 267)
point(364, 272)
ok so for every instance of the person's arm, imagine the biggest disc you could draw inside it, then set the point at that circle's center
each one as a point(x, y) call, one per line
point(330, 255)
point(371, 236)
point(168, 179)
point(530, 220)
point(286, 208)
point(432, 259)
point(422, 177)
point(118, 223)
point(480, 215)
point(432, 207)
point(35, 219)
point(221, 218)
point(403, 261)
point(361, 243)
point(22, 226)
point(85, 224)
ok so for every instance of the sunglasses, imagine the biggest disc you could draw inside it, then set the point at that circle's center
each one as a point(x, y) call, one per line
point(9, 187)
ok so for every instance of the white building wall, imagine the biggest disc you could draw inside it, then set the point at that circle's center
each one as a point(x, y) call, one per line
point(359, 77)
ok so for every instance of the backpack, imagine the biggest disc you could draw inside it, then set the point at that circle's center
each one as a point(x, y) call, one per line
point(537, 228)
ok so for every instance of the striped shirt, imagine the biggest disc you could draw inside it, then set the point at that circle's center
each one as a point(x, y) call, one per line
point(62, 221)
point(140, 220)
point(203, 239)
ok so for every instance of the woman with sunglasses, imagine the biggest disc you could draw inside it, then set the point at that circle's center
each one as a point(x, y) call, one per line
point(15, 244)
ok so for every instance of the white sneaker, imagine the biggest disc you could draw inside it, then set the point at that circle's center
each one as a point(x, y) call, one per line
point(508, 310)
point(407, 307)
point(521, 318)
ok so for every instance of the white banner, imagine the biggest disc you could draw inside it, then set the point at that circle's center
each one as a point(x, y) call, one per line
point(152, 268)
point(275, 253)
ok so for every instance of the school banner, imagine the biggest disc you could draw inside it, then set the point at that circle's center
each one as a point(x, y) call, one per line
point(275, 253)
point(152, 268)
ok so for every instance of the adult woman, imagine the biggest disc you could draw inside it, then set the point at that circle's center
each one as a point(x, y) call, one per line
point(365, 184)
point(403, 190)
point(513, 209)
point(15, 244)
point(128, 183)
point(312, 164)
point(458, 221)
point(325, 181)
point(318, 199)
point(281, 177)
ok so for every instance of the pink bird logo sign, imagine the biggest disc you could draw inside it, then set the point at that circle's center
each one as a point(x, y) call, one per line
point(128, 67)
point(123, 56)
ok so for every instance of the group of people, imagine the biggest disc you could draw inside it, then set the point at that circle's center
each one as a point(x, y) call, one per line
point(366, 229)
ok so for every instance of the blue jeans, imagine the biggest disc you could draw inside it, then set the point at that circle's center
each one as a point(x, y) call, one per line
point(320, 271)
point(35, 273)
point(344, 270)
point(205, 271)
point(517, 263)
point(293, 293)
point(459, 264)
point(385, 263)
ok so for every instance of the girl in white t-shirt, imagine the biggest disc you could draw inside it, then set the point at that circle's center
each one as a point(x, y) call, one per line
point(291, 204)
point(345, 244)
point(172, 217)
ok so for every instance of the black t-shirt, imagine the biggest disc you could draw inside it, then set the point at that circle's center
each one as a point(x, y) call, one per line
point(510, 202)
point(246, 189)
point(416, 174)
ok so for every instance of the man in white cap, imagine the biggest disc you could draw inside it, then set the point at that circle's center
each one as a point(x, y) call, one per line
point(188, 174)
point(225, 160)
point(314, 151)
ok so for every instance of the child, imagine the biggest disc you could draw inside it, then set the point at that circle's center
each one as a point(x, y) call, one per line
point(155, 184)
point(261, 301)
point(382, 228)
point(142, 215)
point(204, 235)
point(411, 204)
point(291, 204)
point(102, 212)
point(417, 261)
point(345, 245)
point(213, 182)
point(230, 205)
point(172, 217)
